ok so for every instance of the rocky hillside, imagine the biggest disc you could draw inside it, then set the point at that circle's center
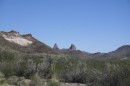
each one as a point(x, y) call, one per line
point(24, 43)
point(122, 52)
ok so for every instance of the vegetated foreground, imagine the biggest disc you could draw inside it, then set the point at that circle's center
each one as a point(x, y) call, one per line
point(42, 69)
point(25, 61)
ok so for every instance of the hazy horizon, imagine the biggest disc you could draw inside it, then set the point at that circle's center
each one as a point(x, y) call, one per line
point(93, 26)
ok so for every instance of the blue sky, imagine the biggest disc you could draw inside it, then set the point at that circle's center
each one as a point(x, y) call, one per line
point(92, 25)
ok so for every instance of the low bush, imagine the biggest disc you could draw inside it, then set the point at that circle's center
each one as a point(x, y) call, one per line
point(36, 80)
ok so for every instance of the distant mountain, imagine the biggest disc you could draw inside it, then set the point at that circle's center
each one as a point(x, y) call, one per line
point(24, 43)
point(71, 51)
point(28, 44)
point(121, 52)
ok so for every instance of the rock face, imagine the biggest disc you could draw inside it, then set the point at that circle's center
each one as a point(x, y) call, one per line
point(29, 37)
point(55, 47)
point(15, 37)
point(23, 43)
point(72, 48)
point(11, 33)
point(14, 33)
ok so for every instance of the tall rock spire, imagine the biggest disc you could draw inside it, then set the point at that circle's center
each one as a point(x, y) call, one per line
point(55, 47)
point(72, 47)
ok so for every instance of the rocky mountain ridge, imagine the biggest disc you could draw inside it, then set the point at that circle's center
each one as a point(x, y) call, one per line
point(27, 43)
point(23, 43)
point(120, 53)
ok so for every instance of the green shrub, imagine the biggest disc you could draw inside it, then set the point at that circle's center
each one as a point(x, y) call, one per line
point(2, 75)
point(25, 82)
point(52, 83)
point(36, 80)
point(13, 80)
point(8, 56)
point(9, 69)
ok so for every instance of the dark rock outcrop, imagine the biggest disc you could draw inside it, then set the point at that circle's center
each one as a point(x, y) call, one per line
point(11, 33)
point(55, 47)
point(29, 37)
point(72, 48)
